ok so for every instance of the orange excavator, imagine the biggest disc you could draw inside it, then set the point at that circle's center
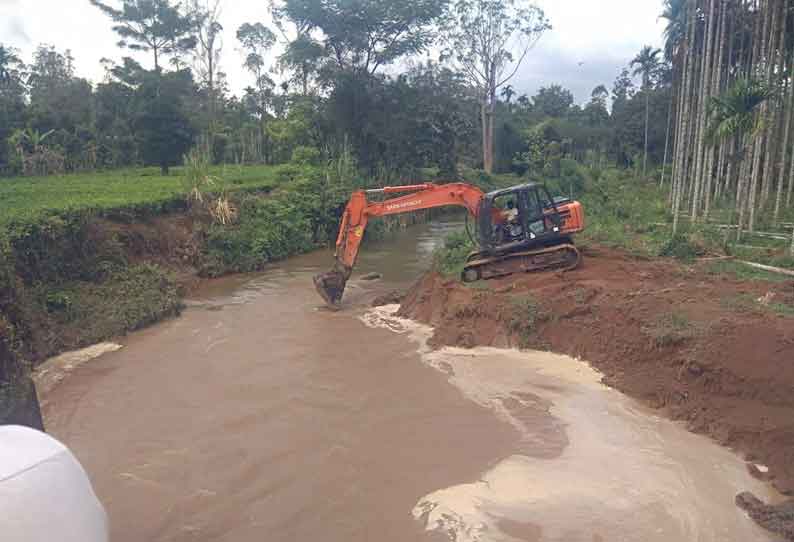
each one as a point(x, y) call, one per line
point(519, 229)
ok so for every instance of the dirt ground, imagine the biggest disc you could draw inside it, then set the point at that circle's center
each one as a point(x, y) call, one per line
point(707, 349)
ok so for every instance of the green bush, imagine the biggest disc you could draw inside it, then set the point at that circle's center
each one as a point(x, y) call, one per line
point(268, 230)
point(451, 258)
point(573, 178)
point(682, 247)
point(141, 295)
point(306, 156)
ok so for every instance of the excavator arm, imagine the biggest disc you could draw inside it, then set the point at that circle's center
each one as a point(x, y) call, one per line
point(360, 210)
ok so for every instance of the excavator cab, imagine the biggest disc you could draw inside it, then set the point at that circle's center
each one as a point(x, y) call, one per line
point(518, 217)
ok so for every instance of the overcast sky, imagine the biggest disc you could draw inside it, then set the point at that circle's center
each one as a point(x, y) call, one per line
point(591, 40)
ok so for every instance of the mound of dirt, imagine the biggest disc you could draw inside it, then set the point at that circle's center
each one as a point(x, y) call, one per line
point(707, 349)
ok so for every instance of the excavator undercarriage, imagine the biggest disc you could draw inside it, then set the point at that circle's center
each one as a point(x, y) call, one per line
point(480, 266)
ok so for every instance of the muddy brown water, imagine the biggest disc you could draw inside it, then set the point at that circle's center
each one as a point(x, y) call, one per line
point(258, 415)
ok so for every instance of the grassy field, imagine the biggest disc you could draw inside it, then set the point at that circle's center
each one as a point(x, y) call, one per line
point(24, 198)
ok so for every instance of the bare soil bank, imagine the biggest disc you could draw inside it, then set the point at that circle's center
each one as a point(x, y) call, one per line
point(710, 350)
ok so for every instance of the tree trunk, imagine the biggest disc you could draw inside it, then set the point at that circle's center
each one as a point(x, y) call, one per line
point(487, 144)
point(760, 140)
point(776, 45)
point(784, 149)
point(716, 85)
point(684, 134)
point(667, 138)
point(741, 199)
point(647, 120)
point(704, 92)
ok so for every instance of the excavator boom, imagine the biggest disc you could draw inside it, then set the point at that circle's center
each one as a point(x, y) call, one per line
point(359, 210)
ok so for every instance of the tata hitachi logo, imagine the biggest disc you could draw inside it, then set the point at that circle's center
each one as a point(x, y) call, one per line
point(395, 206)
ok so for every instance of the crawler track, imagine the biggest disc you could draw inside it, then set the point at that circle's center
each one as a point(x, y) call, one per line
point(557, 258)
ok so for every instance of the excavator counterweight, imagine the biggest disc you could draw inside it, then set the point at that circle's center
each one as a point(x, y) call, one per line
point(520, 229)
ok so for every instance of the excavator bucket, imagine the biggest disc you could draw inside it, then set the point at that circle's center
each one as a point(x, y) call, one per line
point(331, 286)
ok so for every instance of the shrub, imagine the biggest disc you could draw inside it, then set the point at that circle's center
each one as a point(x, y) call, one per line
point(525, 316)
point(267, 230)
point(682, 247)
point(306, 156)
point(196, 179)
point(451, 258)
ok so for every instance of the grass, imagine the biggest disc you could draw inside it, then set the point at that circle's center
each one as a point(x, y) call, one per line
point(526, 314)
point(25, 198)
point(744, 272)
point(749, 303)
point(142, 295)
point(670, 329)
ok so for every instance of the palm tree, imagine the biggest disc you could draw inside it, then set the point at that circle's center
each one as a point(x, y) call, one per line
point(507, 93)
point(646, 64)
point(736, 113)
point(675, 31)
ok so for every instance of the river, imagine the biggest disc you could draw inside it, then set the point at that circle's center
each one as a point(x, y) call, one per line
point(259, 415)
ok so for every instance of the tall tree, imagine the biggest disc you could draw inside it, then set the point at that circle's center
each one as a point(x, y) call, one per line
point(737, 114)
point(256, 40)
point(209, 45)
point(162, 124)
point(675, 13)
point(12, 100)
point(302, 53)
point(489, 40)
point(645, 64)
point(155, 26)
point(553, 101)
point(364, 35)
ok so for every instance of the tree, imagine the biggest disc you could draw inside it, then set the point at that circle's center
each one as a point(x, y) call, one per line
point(364, 35)
point(10, 66)
point(600, 95)
point(553, 101)
point(256, 39)
point(674, 12)
point(302, 53)
point(12, 100)
point(736, 114)
point(162, 126)
point(507, 94)
point(209, 45)
point(151, 25)
point(596, 112)
point(646, 64)
point(489, 40)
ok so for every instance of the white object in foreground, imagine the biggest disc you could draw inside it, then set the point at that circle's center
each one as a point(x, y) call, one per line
point(45, 494)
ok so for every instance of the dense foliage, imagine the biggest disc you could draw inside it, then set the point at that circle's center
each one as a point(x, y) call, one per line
point(336, 94)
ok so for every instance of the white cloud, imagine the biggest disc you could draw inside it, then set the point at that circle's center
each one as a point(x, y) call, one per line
point(601, 34)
